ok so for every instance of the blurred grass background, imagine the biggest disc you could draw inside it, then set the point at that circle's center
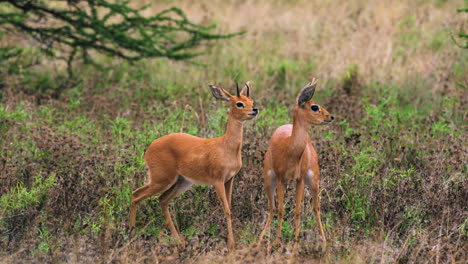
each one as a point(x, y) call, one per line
point(394, 186)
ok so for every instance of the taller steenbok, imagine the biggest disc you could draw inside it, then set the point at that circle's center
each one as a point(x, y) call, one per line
point(291, 157)
point(177, 161)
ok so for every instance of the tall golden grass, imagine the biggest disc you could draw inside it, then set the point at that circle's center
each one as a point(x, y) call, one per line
point(387, 40)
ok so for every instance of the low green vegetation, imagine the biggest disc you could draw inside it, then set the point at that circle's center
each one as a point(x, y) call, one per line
point(393, 165)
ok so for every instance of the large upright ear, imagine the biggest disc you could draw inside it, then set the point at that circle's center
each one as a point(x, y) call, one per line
point(246, 90)
point(306, 93)
point(219, 93)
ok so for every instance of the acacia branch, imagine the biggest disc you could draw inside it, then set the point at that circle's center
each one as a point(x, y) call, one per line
point(79, 28)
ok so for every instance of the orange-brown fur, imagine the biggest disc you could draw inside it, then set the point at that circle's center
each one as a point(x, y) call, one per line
point(289, 157)
point(176, 161)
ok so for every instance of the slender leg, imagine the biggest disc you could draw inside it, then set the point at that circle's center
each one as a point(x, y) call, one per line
point(280, 192)
point(165, 199)
point(221, 193)
point(270, 188)
point(313, 182)
point(316, 207)
point(228, 187)
point(297, 210)
point(138, 195)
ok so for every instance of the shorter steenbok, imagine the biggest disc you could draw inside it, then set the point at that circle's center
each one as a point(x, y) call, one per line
point(177, 161)
point(291, 157)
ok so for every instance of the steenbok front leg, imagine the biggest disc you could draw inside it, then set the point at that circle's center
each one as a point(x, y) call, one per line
point(228, 187)
point(316, 207)
point(221, 193)
point(315, 189)
point(297, 210)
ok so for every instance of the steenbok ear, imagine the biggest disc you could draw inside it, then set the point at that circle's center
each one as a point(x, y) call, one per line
point(246, 90)
point(219, 93)
point(306, 93)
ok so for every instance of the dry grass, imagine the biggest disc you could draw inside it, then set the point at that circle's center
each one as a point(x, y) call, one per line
point(358, 49)
point(389, 40)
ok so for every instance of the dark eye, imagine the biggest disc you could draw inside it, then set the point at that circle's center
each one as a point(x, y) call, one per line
point(240, 105)
point(315, 108)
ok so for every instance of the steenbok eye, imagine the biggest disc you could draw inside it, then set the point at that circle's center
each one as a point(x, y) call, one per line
point(240, 105)
point(315, 108)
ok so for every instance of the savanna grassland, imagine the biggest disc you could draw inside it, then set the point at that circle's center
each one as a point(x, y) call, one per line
point(393, 164)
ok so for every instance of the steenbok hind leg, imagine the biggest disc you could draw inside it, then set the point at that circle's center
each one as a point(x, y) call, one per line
point(164, 200)
point(141, 193)
point(270, 188)
point(134, 202)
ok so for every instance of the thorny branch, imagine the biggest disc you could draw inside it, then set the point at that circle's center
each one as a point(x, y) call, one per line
point(74, 28)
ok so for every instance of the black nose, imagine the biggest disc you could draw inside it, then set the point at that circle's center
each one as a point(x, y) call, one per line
point(255, 110)
point(332, 118)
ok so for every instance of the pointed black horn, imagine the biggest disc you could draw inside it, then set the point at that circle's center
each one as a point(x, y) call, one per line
point(248, 88)
point(237, 87)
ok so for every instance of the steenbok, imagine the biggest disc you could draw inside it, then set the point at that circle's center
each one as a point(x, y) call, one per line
point(291, 157)
point(177, 161)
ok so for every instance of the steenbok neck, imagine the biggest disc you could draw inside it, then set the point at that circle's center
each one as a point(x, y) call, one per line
point(233, 135)
point(299, 137)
